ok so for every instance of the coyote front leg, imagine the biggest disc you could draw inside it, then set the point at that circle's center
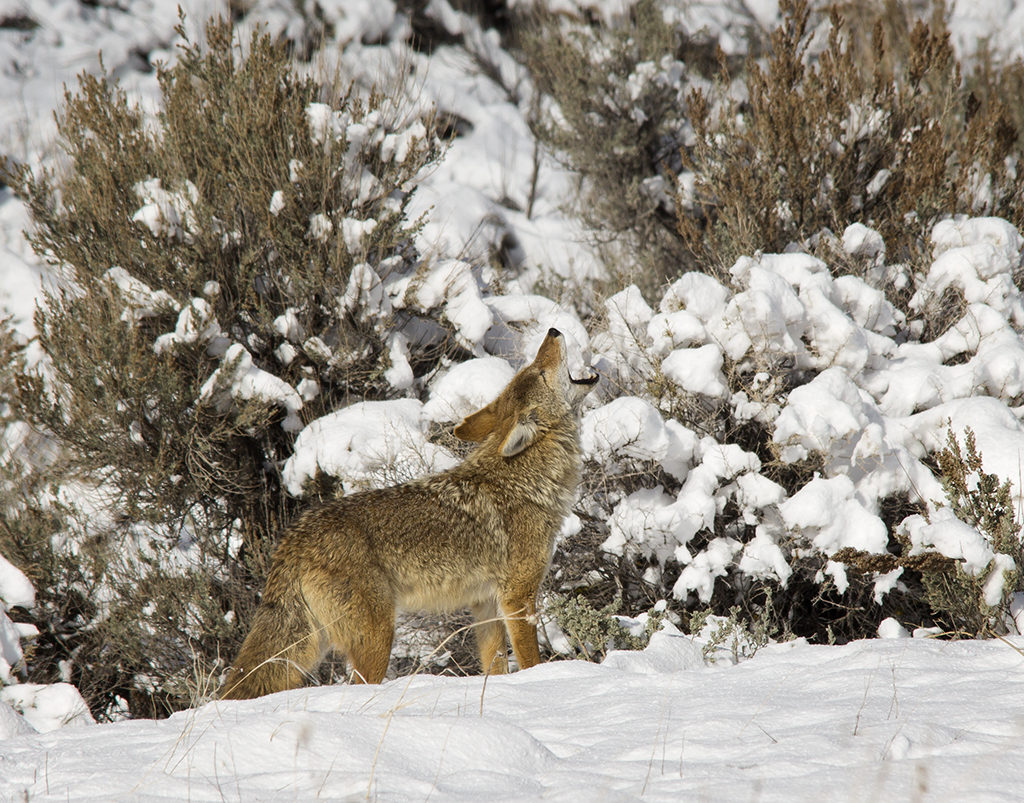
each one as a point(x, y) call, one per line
point(520, 611)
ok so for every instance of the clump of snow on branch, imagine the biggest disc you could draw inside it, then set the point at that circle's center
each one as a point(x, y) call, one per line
point(15, 590)
point(239, 378)
point(364, 445)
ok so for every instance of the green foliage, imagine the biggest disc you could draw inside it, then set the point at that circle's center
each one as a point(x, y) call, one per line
point(255, 211)
point(593, 631)
point(985, 502)
point(736, 636)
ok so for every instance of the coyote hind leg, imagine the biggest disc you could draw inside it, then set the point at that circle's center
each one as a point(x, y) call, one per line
point(490, 638)
point(369, 652)
point(358, 623)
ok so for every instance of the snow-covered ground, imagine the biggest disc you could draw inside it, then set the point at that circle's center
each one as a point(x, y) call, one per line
point(904, 719)
point(892, 718)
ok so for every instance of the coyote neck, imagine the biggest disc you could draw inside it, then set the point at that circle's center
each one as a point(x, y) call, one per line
point(545, 476)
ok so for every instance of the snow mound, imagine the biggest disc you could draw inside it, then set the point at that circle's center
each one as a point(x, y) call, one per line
point(13, 724)
point(47, 707)
point(630, 427)
point(870, 403)
point(466, 387)
point(977, 256)
point(832, 516)
point(669, 650)
point(15, 589)
point(451, 286)
point(141, 299)
point(368, 444)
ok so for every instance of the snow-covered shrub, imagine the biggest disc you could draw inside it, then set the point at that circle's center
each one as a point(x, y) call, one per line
point(894, 137)
point(231, 267)
point(16, 499)
point(967, 554)
point(771, 414)
point(783, 433)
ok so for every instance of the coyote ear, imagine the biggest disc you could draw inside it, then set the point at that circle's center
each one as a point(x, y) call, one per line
point(479, 425)
point(522, 434)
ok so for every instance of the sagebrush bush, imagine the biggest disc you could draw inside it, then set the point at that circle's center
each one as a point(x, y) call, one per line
point(591, 632)
point(221, 271)
point(738, 635)
point(879, 124)
point(892, 139)
point(617, 120)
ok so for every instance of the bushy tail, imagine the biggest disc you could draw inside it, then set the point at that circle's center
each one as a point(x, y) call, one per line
point(281, 647)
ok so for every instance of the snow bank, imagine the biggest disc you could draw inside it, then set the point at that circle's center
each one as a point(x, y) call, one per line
point(660, 725)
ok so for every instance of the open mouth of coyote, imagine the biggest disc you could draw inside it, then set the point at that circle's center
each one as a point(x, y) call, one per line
point(587, 380)
point(584, 381)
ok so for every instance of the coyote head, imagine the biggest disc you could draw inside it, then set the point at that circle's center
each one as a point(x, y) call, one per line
point(541, 398)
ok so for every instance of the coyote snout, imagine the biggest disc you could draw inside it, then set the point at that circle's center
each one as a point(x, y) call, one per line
point(479, 536)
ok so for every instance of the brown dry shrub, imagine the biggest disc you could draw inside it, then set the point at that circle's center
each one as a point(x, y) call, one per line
point(895, 139)
point(616, 118)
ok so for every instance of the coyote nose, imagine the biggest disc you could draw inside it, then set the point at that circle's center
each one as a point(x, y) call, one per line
point(554, 332)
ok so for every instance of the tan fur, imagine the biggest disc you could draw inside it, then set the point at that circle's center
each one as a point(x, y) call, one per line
point(479, 536)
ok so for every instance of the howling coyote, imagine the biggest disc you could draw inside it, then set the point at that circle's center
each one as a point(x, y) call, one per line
point(479, 536)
